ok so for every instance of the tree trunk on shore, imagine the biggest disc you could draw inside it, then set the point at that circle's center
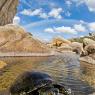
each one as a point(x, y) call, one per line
point(8, 9)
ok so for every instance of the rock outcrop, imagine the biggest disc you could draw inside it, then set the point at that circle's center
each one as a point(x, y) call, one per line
point(8, 9)
point(90, 49)
point(77, 47)
point(88, 59)
point(65, 48)
point(60, 42)
point(15, 39)
point(87, 41)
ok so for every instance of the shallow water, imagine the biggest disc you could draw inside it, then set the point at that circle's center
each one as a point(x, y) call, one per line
point(65, 69)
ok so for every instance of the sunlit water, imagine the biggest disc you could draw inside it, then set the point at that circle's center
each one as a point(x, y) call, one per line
point(65, 69)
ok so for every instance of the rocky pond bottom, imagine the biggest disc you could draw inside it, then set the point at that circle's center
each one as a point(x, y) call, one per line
point(66, 69)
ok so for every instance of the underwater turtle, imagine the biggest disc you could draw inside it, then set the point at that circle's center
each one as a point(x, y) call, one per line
point(36, 83)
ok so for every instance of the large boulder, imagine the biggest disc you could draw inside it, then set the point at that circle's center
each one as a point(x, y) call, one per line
point(89, 54)
point(90, 49)
point(87, 41)
point(60, 41)
point(90, 59)
point(77, 47)
point(8, 9)
point(14, 38)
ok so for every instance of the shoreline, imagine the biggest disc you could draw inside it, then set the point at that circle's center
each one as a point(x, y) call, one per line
point(12, 54)
point(28, 54)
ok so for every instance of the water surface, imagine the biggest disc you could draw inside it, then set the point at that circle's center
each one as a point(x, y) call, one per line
point(64, 68)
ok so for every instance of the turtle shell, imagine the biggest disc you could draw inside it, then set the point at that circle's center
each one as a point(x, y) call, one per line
point(30, 81)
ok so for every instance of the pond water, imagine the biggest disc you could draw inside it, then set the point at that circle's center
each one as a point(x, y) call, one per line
point(65, 69)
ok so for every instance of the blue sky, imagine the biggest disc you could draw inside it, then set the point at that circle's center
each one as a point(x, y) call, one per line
point(47, 19)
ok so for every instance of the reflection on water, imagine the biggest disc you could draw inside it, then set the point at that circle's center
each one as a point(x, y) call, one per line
point(88, 73)
point(65, 69)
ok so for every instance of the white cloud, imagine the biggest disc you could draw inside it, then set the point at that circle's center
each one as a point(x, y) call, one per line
point(82, 22)
point(26, 12)
point(44, 15)
point(91, 26)
point(63, 29)
point(32, 13)
point(68, 3)
point(90, 4)
point(37, 12)
point(56, 13)
point(67, 30)
point(16, 20)
point(79, 27)
point(68, 14)
point(49, 30)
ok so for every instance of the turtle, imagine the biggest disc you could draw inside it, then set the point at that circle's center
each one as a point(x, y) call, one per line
point(36, 83)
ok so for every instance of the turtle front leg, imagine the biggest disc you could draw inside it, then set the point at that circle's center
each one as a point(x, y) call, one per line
point(61, 89)
point(55, 91)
